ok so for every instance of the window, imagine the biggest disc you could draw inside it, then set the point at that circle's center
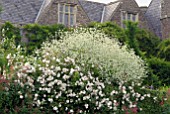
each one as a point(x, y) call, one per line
point(128, 16)
point(67, 14)
point(133, 17)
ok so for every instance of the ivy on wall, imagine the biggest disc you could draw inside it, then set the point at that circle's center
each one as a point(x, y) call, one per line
point(37, 34)
point(11, 32)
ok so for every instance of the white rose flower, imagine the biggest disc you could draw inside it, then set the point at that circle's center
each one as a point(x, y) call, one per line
point(55, 108)
point(50, 100)
point(86, 106)
point(67, 101)
point(71, 111)
point(21, 96)
point(142, 98)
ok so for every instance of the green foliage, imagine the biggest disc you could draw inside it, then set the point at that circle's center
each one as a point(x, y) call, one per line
point(131, 31)
point(143, 42)
point(9, 100)
point(37, 34)
point(11, 32)
point(150, 106)
point(9, 44)
point(160, 68)
point(164, 50)
point(148, 43)
point(111, 29)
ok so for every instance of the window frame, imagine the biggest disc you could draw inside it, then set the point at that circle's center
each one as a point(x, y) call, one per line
point(69, 13)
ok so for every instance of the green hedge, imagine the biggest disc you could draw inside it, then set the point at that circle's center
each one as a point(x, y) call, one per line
point(10, 31)
point(164, 49)
point(37, 34)
point(161, 69)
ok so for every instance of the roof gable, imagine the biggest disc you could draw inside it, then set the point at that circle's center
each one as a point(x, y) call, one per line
point(94, 10)
point(108, 11)
point(129, 5)
point(20, 11)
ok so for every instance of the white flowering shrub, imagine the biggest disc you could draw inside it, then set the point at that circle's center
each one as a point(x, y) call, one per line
point(61, 86)
point(90, 46)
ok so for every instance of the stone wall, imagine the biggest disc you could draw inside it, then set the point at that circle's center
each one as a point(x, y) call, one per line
point(165, 24)
point(116, 16)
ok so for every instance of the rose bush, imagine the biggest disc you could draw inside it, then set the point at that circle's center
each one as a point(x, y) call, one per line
point(61, 86)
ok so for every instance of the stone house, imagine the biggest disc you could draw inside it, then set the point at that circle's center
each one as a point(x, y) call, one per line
point(70, 12)
point(158, 15)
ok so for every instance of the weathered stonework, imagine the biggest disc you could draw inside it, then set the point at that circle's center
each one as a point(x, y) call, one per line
point(165, 18)
point(116, 16)
point(165, 24)
point(50, 14)
point(131, 7)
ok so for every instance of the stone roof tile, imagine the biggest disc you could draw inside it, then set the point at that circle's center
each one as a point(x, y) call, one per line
point(153, 15)
point(20, 11)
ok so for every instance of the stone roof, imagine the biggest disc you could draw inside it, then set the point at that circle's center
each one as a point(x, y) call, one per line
point(153, 15)
point(94, 10)
point(20, 11)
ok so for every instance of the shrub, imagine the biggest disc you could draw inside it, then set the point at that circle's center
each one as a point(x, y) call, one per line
point(37, 34)
point(89, 46)
point(61, 86)
point(148, 43)
point(111, 29)
point(164, 50)
point(9, 100)
point(150, 106)
point(160, 68)
point(11, 32)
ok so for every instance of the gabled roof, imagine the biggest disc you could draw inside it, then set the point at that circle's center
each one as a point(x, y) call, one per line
point(20, 11)
point(94, 10)
point(108, 11)
point(153, 16)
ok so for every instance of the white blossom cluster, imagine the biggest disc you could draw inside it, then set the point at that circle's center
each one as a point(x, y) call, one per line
point(90, 46)
point(63, 87)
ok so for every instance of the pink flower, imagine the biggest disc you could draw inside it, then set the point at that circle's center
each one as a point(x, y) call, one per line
point(134, 110)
